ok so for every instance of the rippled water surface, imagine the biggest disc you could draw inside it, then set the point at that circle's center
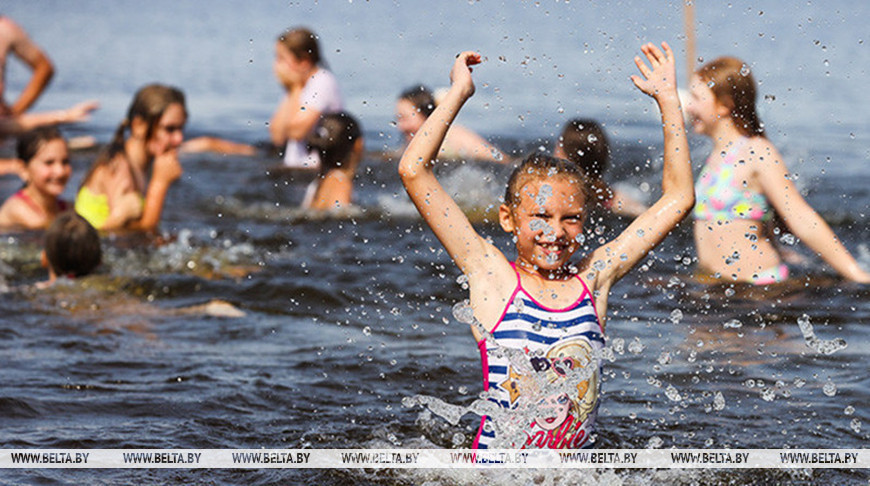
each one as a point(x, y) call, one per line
point(345, 317)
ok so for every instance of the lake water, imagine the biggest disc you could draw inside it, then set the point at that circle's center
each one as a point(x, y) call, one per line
point(346, 317)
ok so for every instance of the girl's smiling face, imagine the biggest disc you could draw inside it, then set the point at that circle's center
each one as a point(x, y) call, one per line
point(168, 133)
point(546, 224)
point(49, 170)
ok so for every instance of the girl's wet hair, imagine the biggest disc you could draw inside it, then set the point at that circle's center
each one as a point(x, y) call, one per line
point(585, 143)
point(72, 246)
point(334, 137)
point(542, 166)
point(302, 43)
point(421, 97)
point(149, 104)
point(732, 83)
point(30, 142)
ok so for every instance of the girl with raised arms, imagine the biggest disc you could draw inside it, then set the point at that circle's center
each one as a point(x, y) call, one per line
point(539, 320)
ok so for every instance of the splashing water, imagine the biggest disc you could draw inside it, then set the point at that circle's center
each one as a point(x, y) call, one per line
point(463, 313)
point(733, 324)
point(511, 424)
point(673, 394)
point(819, 345)
point(545, 193)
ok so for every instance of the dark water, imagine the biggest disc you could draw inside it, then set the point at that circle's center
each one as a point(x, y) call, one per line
point(347, 316)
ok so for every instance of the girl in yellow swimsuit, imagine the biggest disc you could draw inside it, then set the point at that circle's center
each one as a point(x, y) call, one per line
point(742, 180)
point(114, 194)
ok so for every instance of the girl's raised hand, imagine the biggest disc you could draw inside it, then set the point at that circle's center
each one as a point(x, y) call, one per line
point(460, 75)
point(660, 77)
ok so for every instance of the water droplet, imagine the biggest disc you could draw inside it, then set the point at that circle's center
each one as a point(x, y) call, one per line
point(676, 316)
point(462, 312)
point(654, 442)
point(664, 358)
point(619, 345)
point(855, 424)
point(673, 394)
point(830, 389)
point(718, 401)
point(849, 410)
point(636, 346)
point(733, 324)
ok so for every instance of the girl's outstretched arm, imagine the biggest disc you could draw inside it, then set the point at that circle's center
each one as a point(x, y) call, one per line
point(799, 216)
point(659, 80)
point(435, 205)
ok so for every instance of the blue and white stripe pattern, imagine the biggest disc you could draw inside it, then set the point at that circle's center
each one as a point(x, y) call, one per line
point(543, 335)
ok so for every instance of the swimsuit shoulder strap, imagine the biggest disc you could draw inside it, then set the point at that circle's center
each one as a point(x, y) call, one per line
point(27, 200)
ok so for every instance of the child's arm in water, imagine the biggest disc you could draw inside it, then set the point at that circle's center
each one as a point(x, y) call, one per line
point(613, 260)
point(487, 269)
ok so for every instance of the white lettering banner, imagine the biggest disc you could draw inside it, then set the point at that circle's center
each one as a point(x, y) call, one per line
point(433, 458)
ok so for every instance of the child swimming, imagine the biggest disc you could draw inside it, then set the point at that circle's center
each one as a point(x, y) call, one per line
point(46, 172)
point(114, 195)
point(338, 140)
point(743, 181)
point(539, 321)
point(72, 248)
point(414, 106)
point(584, 142)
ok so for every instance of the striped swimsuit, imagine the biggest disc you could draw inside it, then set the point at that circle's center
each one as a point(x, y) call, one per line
point(556, 346)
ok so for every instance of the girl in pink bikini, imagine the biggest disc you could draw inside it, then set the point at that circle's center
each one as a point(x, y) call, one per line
point(47, 170)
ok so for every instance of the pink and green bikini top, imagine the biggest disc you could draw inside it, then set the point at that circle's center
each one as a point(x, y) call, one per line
point(719, 197)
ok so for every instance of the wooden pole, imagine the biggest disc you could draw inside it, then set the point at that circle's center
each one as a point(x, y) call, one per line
point(689, 29)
